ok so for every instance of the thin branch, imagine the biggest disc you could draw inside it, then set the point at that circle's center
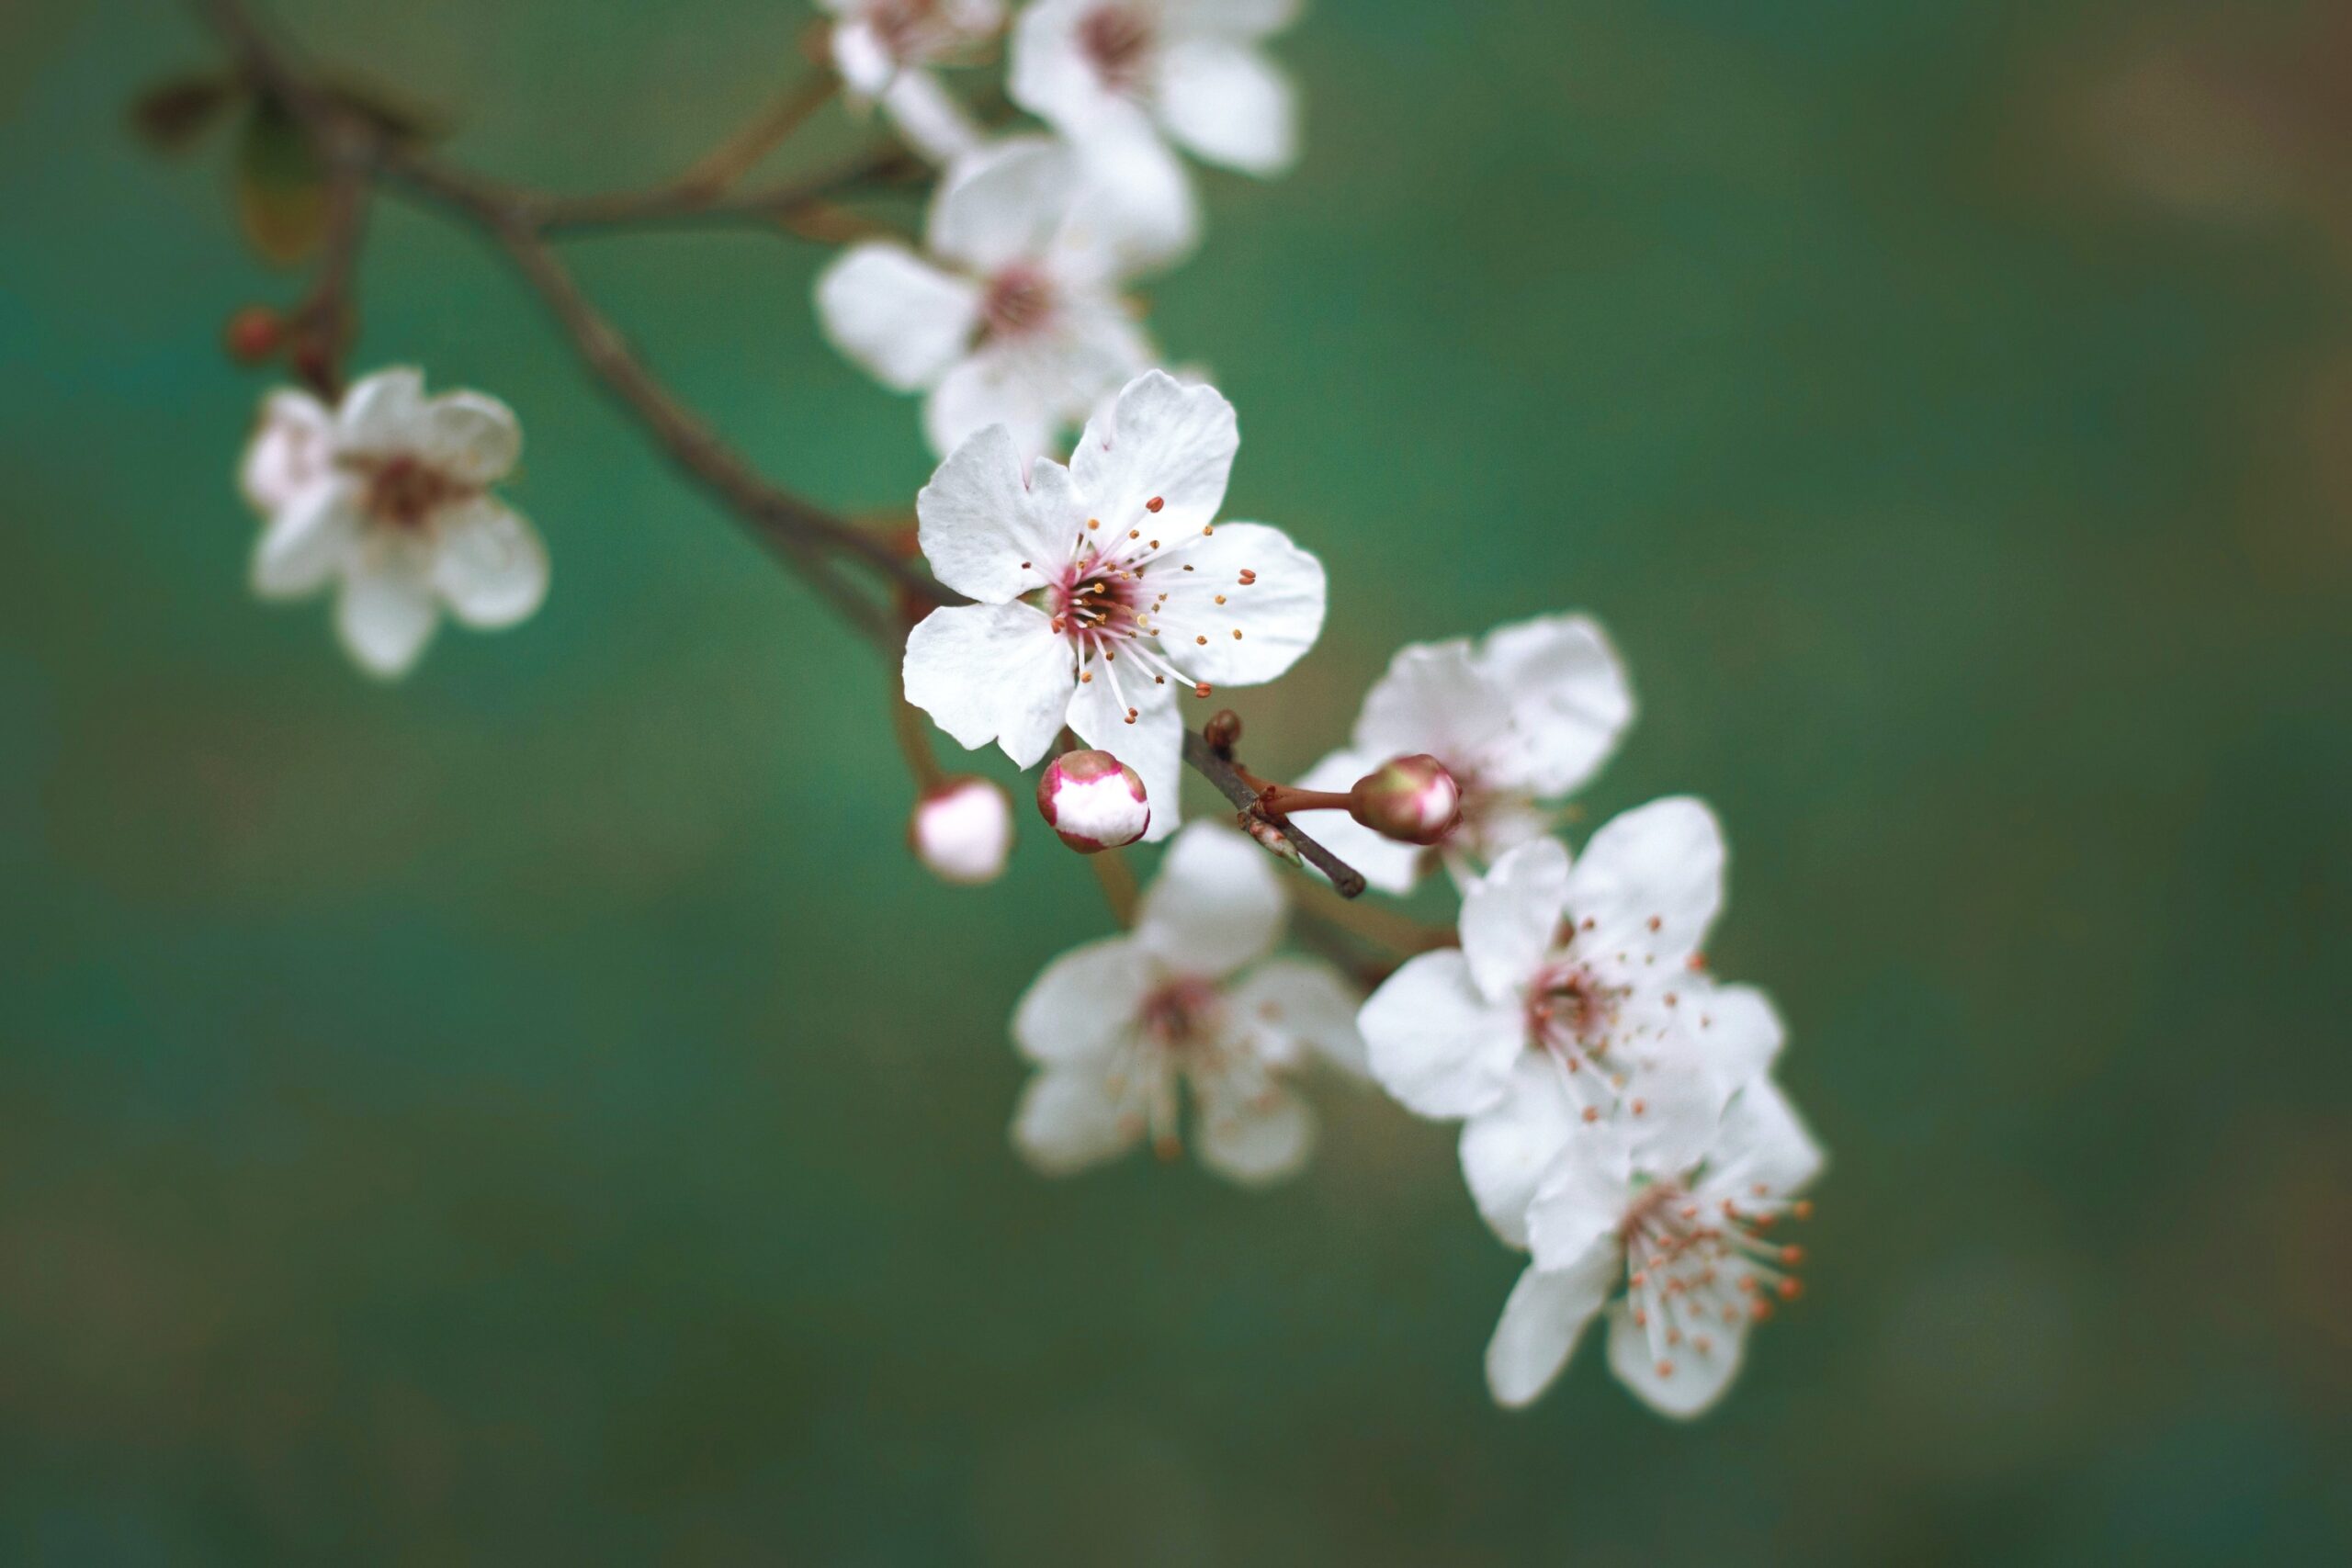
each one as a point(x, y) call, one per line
point(1346, 880)
point(718, 169)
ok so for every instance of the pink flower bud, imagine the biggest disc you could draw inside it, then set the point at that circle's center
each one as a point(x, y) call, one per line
point(1093, 800)
point(1412, 798)
point(962, 830)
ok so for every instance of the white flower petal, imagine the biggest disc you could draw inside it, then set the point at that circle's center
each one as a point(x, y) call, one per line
point(1762, 1140)
point(1082, 1003)
point(1570, 701)
point(1433, 699)
point(998, 384)
point(1136, 204)
point(385, 616)
point(1153, 745)
point(1582, 1197)
point(866, 63)
point(1004, 204)
point(1278, 612)
point(1511, 916)
point(1736, 1033)
point(1541, 1320)
point(1067, 1120)
point(1650, 881)
point(1255, 1139)
point(1053, 76)
point(991, 671)
point(1229, 104)
point(1163, 441)
point(1507, 1149)
point(308, 540)
point(1436, 1043)
point(491, 567)
point(1386, 863)
point(984, 529)
point(1290, 1002)
point(289, 451)
point(1216, 905)
point(469, 436)
point(1680, 1380)
point(930, 119)
point(901, 317)
point(382, 413)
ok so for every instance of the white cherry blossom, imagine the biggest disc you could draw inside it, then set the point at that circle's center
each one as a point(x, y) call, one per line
point(1526, 716)
point(1123, 1031)
point(1105, 589)
point(1576, 990)
point(1679, 1228)
point(883, 50)
point(388, 498)
point(1012, 317)
point(1190, 69)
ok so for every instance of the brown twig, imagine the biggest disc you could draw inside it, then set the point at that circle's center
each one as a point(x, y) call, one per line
point(1203, 758)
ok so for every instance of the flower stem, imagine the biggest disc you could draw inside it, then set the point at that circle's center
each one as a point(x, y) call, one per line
point(1118, 880)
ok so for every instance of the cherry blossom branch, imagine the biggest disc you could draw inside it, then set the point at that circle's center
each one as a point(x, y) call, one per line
point(1204, 759)
point(733, 159)
point(358, 146)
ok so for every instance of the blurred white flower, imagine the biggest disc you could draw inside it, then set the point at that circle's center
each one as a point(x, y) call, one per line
point(1527, 715)
point(1014, 317)
point(1120, 1030)
point(961, 830)
point(1191, 68)
point(389, 496)
point(1577, 992)
point(1105, 589)
point(1683, 1219)
point(883, 50)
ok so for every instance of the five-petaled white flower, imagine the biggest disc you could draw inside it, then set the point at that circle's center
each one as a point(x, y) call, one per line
point(1121, 1029)
point(1577, 991)
point(389, 494)
point(1105, 589)
point(883, 50)
point(1528, 714)
point(1014, 319)
point(1683, 1217)
point(1116, 68)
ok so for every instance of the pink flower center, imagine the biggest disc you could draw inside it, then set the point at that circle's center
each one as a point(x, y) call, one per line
point(902, 26)
point(1117, 39)
point(1182, 1012)
point(403, 491)
point(1570, 1011)
point(1019, 300)
point(1695, 1269)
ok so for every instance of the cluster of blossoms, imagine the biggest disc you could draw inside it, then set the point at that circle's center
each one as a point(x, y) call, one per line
point(1619, 1123)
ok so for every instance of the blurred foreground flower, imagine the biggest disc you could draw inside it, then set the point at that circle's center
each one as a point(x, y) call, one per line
point(1528, 714)
point(1681, 1215)
point(883, 50)
point(962, 830)
point(388, 495)
point(1122, 1029)
point(1104, 588)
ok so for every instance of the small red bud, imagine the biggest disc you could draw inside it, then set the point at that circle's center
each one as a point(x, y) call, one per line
point(1409, 798)
point(1223, 731)
point(1094, 801)
point(253, 335)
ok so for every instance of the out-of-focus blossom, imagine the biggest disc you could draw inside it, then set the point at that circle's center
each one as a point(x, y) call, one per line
point(1092, 801)
point(1576, 991)
point(961, 830)
point(1192, 68)
point(1683, 1219)
point(883, 50)
point(388, 497)
point(1122, 1029)
point(1105, 589)
point(1013, 318)
point(1527, 715)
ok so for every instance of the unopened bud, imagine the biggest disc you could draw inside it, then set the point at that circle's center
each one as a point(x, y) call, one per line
point(1412, 798)
point(253, 335)
point(1093, 800)
point(1270, 839)
point(1222, 731)
point(962, 830)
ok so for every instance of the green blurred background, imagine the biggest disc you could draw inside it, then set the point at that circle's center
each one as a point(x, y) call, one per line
point(537, 1113)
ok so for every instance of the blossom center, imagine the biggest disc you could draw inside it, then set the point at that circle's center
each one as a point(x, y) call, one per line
point(902, 26)
point(1096, 602)
point(1697, 1265)
point(1117, 39)
point(1181, 1014)
point(1570, 1010)
point(403, 491)
point(1019, 300)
